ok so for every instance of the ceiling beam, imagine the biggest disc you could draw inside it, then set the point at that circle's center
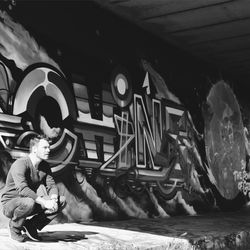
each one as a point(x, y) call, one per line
point(209, 25)
point(193, 8)
point(230, 51)
point(118, 1)
point(218, 31)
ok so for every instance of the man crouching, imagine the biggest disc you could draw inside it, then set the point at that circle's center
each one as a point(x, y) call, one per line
point(30, 190)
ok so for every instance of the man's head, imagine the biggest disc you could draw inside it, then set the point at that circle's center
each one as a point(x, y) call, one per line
point(40, 147)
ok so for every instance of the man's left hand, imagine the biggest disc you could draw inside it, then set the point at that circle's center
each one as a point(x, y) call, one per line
point(54, 208)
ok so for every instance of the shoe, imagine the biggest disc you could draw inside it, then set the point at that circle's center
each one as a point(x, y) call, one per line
point(31, 231)
point(15, 234)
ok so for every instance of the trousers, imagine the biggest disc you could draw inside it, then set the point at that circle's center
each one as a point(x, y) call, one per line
point(19, 208)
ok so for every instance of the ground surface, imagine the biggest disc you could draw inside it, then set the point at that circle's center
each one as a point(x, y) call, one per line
point(210, 231)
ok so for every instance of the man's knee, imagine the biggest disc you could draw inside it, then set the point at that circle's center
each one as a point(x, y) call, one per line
point(21, 205)
point(28, 203)
point(24, 207)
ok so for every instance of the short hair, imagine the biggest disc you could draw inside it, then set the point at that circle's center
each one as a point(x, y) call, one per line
point(36, 139)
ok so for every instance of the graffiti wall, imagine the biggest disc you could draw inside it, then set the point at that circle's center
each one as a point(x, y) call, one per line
point(127, 148)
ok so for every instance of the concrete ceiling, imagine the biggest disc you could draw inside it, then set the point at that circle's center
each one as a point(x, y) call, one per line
point(217, 31)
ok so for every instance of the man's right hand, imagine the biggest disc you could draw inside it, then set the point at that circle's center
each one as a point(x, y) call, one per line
point(49, 204)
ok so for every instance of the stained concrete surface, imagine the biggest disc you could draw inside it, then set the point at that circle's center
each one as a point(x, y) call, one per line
point(210, 231)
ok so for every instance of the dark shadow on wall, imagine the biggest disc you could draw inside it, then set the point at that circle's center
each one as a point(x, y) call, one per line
point(86, 194)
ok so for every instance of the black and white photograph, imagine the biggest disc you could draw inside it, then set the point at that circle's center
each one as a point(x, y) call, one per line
point(124, 124)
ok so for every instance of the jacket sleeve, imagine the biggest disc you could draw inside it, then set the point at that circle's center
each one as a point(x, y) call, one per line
point(50, 183)
point(20, 180)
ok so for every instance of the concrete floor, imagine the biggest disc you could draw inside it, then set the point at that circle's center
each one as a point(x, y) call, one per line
point(210, 231)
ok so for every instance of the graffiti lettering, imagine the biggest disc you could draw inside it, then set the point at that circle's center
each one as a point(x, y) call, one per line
point(241, 177)
point(146, 140)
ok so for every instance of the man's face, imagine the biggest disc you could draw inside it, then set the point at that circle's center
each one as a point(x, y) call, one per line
point(42, 149)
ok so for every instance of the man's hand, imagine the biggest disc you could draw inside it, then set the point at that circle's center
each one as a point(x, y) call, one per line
point(50, 205)
point(53, 207)
point(54, 197)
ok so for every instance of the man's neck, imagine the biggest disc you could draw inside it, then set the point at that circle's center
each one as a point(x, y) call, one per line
point(35, 160)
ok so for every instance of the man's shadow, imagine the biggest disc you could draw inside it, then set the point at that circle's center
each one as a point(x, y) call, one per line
point(66, 236)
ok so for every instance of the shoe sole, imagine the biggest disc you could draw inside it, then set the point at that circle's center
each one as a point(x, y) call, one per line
point(29, 235)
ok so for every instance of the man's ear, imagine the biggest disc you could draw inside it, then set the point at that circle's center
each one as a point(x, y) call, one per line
point(34, 149)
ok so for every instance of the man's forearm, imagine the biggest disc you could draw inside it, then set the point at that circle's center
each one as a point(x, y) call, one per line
point(51, 186)
point(48, 204)
point(25, 191)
